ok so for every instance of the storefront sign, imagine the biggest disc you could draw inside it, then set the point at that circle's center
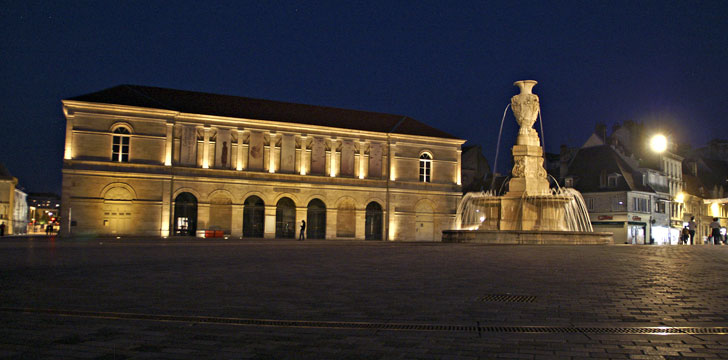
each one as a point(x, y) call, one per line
point(636, 218)
point(605, 217)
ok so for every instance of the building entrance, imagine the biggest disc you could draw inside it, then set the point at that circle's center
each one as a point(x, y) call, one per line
point(316, 220)
point(373, 222)
point(253, 217)
point(185, 214)
point(285, 219)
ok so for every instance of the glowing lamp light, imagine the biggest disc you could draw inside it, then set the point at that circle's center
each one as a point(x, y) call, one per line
point(658, 143)
point(680, 198)
point(715, 209)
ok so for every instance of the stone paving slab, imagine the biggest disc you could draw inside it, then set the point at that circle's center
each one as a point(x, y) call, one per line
point(349, 281)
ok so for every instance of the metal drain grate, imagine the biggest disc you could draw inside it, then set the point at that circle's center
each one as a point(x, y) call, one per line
point(507, 298)
point(646, 330)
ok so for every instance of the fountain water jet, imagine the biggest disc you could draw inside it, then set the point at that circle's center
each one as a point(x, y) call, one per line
point(530, 212)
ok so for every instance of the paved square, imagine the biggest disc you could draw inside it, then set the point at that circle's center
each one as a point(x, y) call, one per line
point(191, 299)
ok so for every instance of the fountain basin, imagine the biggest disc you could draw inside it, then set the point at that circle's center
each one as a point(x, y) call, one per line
point(527, 237)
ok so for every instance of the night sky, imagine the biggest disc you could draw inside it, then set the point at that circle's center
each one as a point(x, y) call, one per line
point(448, 64)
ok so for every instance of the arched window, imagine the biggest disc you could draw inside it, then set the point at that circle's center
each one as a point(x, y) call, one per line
point(120, 145)
point(426, 167)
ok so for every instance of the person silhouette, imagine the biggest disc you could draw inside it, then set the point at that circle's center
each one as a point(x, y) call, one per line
point(303, 229)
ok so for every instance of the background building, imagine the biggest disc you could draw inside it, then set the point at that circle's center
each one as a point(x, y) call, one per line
point(13, 208)
point(677, 183)
point(151, 161)
point(475, 169)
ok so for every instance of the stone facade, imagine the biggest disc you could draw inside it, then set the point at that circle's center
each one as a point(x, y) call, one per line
point(13, 207)
point(140, 170)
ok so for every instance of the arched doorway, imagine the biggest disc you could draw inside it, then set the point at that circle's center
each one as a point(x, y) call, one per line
point(373, 222)
point(424, 222)
point(285, 219)
point(253, 217)
point(185, 214)
point(117, 211)
point(316, 220)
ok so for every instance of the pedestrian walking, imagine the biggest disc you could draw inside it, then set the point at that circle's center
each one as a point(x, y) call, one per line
point(2, 229)
point(685, 235)
point(715, 231)
point(303, 229)
point(692, 226)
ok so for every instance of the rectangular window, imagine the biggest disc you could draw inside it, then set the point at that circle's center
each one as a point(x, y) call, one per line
point(590, 204)
point(660, 207)
point(640, 205)
point(120, 149)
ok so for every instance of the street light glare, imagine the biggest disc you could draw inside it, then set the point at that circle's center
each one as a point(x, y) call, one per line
point(658, 143)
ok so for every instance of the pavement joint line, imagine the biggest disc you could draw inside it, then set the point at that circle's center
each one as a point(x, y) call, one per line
point(352, 325)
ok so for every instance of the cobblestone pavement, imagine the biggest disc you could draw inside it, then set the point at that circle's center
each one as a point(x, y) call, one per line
point(192, 299)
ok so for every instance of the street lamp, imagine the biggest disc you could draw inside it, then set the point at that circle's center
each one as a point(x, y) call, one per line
point(658, 143)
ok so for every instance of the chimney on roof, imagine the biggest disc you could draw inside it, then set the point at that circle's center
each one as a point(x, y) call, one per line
point(601, 130)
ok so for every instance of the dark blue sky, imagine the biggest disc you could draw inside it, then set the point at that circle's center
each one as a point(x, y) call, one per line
point(449, 64)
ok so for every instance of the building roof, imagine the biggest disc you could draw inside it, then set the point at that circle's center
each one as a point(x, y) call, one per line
point(241, 107)
point(4, 173)
point(589, 163)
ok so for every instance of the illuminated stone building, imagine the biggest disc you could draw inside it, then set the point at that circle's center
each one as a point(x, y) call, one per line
point(13, 208)
point(160, 162)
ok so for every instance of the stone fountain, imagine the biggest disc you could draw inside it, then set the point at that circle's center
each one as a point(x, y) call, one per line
point(530, 212)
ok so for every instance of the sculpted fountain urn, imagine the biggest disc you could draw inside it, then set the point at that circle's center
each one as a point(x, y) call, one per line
point(525, 108)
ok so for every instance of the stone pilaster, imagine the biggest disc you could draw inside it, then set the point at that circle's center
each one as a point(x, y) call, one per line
point(270, 222)
point(206, 148)
point(362, 144)
point(360, 224)
point(237, 221)
point(240, 161)
point(272, 153)
point(68, 153)
point(333, 168)
point(392, 172)
point(331, 222)
point(303, 170)
point(168, 144)
point(165, 220)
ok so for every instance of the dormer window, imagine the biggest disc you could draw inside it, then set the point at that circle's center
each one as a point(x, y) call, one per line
point(612, 180)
